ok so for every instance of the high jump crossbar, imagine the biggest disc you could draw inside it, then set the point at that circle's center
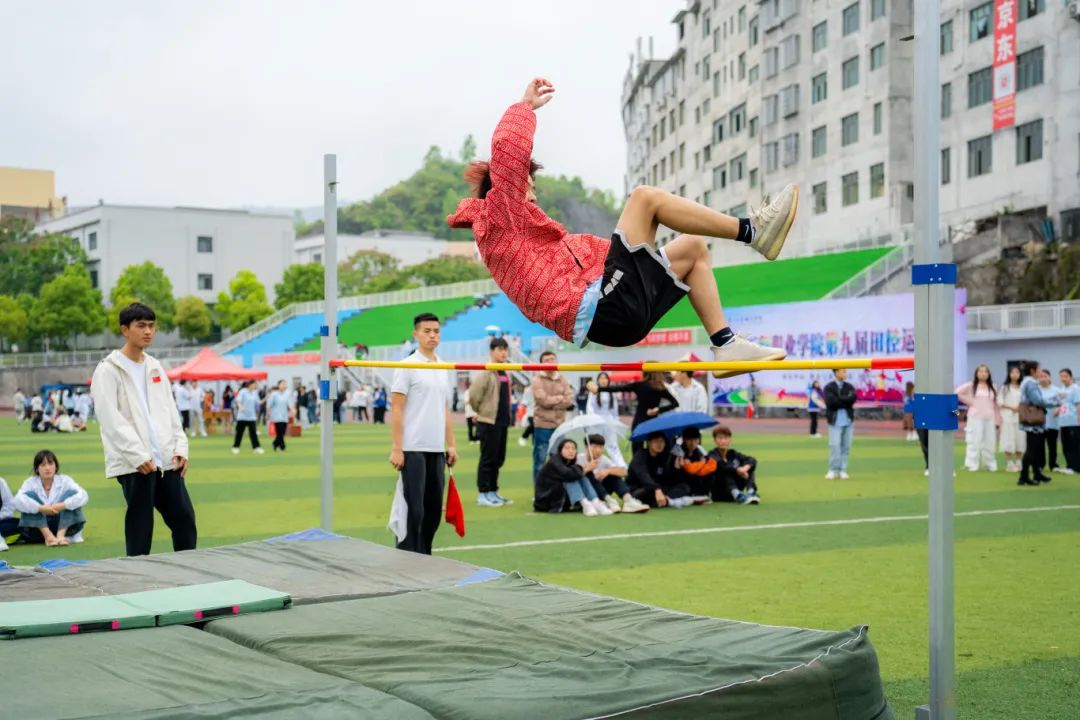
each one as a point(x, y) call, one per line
point(885, 363)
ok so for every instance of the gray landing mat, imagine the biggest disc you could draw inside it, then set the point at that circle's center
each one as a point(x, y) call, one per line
point(309, 571)
point(175, 673)
point(516, 648)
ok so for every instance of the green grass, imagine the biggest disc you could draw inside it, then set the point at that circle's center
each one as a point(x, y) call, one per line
point(389, 324)
point(783, 281)
point(1017, 579)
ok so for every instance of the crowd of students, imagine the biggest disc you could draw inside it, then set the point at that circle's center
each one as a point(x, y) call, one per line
point(55, 411)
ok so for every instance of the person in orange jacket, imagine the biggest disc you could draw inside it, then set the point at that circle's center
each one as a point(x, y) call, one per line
point(694, 467)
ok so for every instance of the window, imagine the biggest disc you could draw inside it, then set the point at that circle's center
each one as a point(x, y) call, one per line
point(946, 166)
point(706, 26)
point(851, 18)
point(772, 61)
point(663, 168)
point(655, 175)
point(980, 156)
point(718, 131)
point(753, 30)
point(980, 21)
point(671, 122)
point(819, 88)
point(753, 126)
point(737, 119)
point(789, 51)
point(682, 112)
point(682, 155)
point(1031, 8)
point(716, 83)
point(820, 204)
point(877, 56)
point(738, 168)
point(753, 178)
point(771, 106)
point(719, 177)
point(206, 282)
point(789, 100)
point(877, 9)
point(877, 118)
point(1029, 69)
point(706, 68)
point(946, 100)
point(205, 244)
point(820, 36)
point(818, 142)
point(945, 42)
point(682, 191)
point(980, 85)
point(317, 257)
point(91, 241)
point(663, 130)
point(671, 162)
point(94, 279)
point(742, 66)
point(849, 185)
point(706, 154)
point(790, 144)
point(772, 156)
point(849, 129)
point(706, 199)
point(850, 72)
point(752, 76)
point(697, 161)
point(1029, 142)
point(877, 180)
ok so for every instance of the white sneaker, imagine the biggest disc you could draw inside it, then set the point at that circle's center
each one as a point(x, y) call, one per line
point(76, 538)
point(258, 451)
point(844, 476)
point(3, 545)
point(772, 221)
point(521, 442)
point(587, 509)
point(1068, 471)
point(926, 472)
point(633, 505)
point(601, 508)
point(236, 451)
point(830, 475)
point(740, 350)
point(613, 504)
point(486, 500)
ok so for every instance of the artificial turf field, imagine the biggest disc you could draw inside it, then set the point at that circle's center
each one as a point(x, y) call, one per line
point(1017, 569)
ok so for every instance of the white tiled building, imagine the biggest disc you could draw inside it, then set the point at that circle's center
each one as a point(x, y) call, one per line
point(819, 92)
point(200, 249)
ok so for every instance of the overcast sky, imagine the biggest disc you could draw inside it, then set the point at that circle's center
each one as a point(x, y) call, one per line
point(234, 103)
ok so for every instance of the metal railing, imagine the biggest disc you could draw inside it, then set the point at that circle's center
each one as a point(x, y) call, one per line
point(992, 319)
point(67, 358)
point(876, 274)
point(359, 302)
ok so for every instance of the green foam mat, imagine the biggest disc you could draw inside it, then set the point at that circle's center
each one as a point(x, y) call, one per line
point(170, 606)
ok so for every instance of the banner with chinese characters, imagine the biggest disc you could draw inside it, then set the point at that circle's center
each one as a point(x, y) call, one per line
point(877, 326)
point(1004, 63)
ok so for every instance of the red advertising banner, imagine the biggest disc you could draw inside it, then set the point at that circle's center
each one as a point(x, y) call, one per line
point(668, 337)
point(1004, 63)
point(291, 359)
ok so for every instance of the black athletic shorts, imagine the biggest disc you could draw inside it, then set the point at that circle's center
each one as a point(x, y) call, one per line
point(638, 288)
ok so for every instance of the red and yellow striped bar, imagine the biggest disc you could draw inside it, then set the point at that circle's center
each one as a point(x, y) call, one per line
point(886, 363)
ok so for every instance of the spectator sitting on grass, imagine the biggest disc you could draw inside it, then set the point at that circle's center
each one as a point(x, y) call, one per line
point(608, 478)
point(51, 504)
point(694, 468)
point(652, 475)
point(9, 524)
point(561, 478)
point(734, 472)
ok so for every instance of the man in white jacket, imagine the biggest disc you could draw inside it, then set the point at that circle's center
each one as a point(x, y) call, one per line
point(146, 449)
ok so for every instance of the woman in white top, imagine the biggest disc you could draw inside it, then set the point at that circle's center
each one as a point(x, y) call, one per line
point(9, 524)
point(51, 504)
point(1012, 440)
point(603, 402)
point(356, 401)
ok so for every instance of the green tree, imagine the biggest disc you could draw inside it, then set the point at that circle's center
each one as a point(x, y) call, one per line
point(300, 283)
point(14, 322)
point(445, 270)
point(468, 149)
point(28, 261)
point(365, 270)
point(146, 283)
point(68, 306)
point(193, 318)
point(244, 304)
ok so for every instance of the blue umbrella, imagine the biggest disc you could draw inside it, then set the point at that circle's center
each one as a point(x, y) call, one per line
point(672, 424)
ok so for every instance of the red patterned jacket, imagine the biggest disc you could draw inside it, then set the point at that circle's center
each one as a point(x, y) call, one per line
point(542, 269)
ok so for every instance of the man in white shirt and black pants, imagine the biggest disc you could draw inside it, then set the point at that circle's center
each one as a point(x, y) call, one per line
point(145, 446)
point(423, 438)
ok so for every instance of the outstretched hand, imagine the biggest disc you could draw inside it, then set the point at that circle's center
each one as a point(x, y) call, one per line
point(538, 93)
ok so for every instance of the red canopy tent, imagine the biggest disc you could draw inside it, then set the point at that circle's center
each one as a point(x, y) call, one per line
point(208, 365)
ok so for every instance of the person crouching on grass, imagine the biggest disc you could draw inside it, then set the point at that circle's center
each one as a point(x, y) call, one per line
point(608, 477)
point(735, 480)
point(561, 479)
point(50, 504)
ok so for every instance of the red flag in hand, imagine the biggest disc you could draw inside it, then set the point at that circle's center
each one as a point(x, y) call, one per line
point(455, 515)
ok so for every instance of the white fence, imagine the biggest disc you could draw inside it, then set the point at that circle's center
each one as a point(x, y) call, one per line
point(872, 277)
point(168, 356)
point(1024, 317)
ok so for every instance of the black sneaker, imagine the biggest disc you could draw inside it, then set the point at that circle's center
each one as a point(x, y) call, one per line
point(1043, 478)
point(1026, 481)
